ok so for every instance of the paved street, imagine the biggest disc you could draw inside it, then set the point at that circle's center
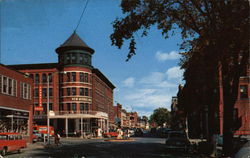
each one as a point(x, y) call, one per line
point(95, 148)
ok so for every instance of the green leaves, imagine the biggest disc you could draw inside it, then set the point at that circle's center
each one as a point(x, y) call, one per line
point(160, 116)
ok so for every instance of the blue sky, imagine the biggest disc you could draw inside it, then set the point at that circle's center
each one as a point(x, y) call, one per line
point(31, 30)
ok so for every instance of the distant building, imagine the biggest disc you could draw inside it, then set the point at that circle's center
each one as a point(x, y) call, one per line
point(16, 102)
point(80, 97)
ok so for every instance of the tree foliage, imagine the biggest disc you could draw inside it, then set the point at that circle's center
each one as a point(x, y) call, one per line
point(215, 38)
point(160, 116)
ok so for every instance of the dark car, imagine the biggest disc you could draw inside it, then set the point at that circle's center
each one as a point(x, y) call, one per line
point(177, 140)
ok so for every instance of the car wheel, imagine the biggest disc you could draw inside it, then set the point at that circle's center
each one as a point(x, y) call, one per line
point(4, 151)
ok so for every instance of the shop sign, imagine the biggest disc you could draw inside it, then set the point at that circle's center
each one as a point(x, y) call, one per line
point(80, 99)
point(39, 108)
point(40, 96)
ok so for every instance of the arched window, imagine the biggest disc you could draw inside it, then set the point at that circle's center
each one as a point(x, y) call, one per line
point(44, 78)
point(37, 79)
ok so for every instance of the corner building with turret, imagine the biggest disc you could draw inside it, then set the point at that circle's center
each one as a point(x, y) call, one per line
point(79, 96)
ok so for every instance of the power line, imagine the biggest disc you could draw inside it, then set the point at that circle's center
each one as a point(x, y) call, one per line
point(81, 15)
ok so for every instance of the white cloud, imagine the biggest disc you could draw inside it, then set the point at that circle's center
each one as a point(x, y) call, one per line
point(173, 55)
point(129, 82)
point(157, 79)
point(175, 73)
point(151, 91)
point(149, 99)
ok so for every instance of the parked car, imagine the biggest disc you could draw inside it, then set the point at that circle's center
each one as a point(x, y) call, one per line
point(177, 140)
point(10, 142)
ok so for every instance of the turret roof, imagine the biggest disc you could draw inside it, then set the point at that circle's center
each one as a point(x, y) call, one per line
point(75, 41)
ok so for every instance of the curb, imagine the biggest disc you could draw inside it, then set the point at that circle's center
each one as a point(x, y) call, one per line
point(119, 140)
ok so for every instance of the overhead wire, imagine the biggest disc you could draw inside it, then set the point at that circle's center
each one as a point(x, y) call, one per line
point(86, 4)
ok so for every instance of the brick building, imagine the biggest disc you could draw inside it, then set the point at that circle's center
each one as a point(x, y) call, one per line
point(79, 96)
point(241, 107)
point(16, 102)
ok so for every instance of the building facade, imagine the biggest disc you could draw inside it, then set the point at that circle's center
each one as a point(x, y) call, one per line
point(16, 102)
point(79, 96)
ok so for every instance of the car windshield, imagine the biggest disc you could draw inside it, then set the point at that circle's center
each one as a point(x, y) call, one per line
point(177, 135)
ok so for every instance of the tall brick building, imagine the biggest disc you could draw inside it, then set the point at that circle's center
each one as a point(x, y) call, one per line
point(16, 102)
point(80, 97)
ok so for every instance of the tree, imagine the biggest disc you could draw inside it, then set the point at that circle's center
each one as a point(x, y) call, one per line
point(217, 29)
point(160, 116)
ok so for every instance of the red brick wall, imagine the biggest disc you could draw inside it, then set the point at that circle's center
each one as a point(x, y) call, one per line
point(7, 101)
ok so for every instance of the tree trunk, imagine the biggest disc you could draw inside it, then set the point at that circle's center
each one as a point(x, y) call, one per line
point(228, 122)
point(230, 93)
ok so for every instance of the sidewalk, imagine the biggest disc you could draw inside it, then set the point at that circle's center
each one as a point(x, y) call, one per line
point(244, 152)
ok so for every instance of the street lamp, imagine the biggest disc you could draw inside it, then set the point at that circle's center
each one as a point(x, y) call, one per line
point(48, 122)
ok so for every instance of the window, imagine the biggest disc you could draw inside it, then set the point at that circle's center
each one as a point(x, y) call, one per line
point(73, 58)
point(68, 106)
point(36, 92)
point(44, 108)
point(68, 58)
point(44, 92)
point(81, 77)
point(5, 84)
point(82, 91)
point(73, 91)
point(73, 74)
point(82, 107)
point(68, 91)
point(50, 106)
point(14, 89)
point(25, 91)
point(86, 59)
point(10, 86)
point(85, 77)
point(86, 92)
point(73, 106)
point(243, 91)
point(68, 76)
point(86, 106)
point(50, 92)
point(44, 78)
point(37, 80)
point(81, 59)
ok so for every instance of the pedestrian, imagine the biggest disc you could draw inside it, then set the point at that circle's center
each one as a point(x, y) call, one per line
point(56, 139)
